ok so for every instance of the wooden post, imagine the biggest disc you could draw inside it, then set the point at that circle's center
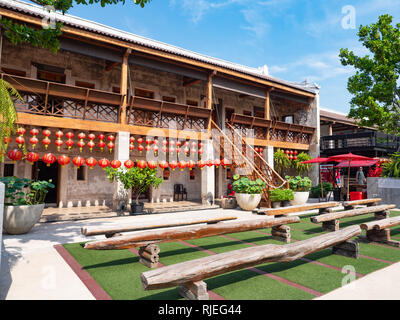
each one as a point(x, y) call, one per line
point(194, 291)
point(209, 96)
point(332, 225)
point(124, 85)
point(347, 248)
point(149, 255)
point(281, 233)
point(267, 104)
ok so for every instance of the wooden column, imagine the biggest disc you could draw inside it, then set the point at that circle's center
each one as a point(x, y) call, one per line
point(209, 96)
point(267, 104)
point(124, 85)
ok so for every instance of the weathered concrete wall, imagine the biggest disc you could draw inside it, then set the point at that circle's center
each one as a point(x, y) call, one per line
point(386, 188)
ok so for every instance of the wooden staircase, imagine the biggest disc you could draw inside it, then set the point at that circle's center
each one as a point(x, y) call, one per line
point(245, 160)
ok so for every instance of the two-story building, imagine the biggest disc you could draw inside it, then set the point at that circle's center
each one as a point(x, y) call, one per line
point(110, 82)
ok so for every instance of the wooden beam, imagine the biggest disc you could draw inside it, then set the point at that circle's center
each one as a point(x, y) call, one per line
point(210, 266)
point(124, 44)
point(381, 224)
point(298, 208)
point(187, 82)
point(144, 238)
point(267, 104)
point(110, 65)
point(87, 125)
point(124, 84)
point(278, 144)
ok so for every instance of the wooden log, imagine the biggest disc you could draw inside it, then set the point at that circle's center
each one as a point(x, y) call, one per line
point(381, 224)
point(151, 248)
point(325, 210)
point(330, 225)
point(281, 234)
point(299, 208)
point(378, 235)
point(210, 266)
point(143, 238)
point(155, 225)
point(348, 248)
point(194, 291)
point(148, 256)
point(370, 202)
point(284, 229)
point(148, 263)
point(350, 213)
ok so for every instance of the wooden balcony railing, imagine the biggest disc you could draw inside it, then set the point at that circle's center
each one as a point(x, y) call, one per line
point(264, 129)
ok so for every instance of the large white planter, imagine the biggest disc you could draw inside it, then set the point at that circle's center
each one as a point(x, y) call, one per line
point(248, 202)
point(300, 198)
point(21, 219)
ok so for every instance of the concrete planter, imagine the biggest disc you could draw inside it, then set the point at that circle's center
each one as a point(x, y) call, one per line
point(300, 198)
point(386, 188)
point(21, 219)
point(248, 202)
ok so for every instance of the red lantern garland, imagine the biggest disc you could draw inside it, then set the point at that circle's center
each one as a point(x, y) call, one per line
point(173, 165)
point(163, 164)
point(131, 144)
point(104, 163)
point(110, 144)
point(191, 164)
point(91, 162)
point(152, 165)
point(34, 141)
point(69, 143)
point(63, 160)
point(46, 141)
point(182, 165)
point(49, 159)
point(20, 139)
point(15, 155)
point(201, 164)
point(32, 157)
point(59, 134)
point(129, 164)
point(101, 144)
point(81, 143)
point(91, 143)
point(78, 161)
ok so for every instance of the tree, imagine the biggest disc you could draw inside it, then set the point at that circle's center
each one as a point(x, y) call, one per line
point(47, 38)
point(375, 87)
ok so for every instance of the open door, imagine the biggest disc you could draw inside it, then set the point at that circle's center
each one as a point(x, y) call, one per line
point(40, 171)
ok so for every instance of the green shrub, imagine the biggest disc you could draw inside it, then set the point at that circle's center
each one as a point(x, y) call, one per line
point(316, 191)
point(297, 164)
point(299, 184)
point(277, 195)
point(245, 185)
point(392, 169)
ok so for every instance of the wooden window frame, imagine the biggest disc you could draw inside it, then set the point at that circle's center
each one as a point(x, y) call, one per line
point(144, 93)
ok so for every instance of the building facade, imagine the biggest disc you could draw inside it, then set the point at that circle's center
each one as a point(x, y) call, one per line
point(106, 81)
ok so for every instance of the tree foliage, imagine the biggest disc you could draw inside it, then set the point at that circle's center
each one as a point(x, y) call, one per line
point(375, 90)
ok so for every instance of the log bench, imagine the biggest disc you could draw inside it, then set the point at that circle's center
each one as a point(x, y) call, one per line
point(147, 240)
point(116, 230)
point(330, 221)
point(323, 207)
point(189, 275)
point(348, 205)
point(378, 231)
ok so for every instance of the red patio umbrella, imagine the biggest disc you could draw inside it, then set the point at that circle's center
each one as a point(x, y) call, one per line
point(319, 161)
point(348, 157)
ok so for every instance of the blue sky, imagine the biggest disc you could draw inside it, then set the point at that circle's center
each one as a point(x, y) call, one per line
point(296, 39)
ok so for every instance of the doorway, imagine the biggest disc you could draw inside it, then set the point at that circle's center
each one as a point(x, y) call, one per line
point(40, 171)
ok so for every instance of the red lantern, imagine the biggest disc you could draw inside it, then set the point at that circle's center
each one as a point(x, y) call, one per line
point(155, 141)
point(201, 151)
point(91, 162)
point(191, 164)
point(46, 141)
point(78, 161)
point(295, 158)
point(6, 141)
point(63, 160)
point(15, 155)
point(111, 138)
point(149, 142)
point(165, 142)
point(201, 164)
point(21, 131)
point(186, 150)
point(104, 163)
point(69, 135)
point(101, 144)
point(32, 157)
point(20, 140)
point(59, 134)
point(186, 144)
point(101, 136)
point(171, 149)
point(179, 143)
point(46, 133)
point(59, 143)
point(148, 148)
point(129, 164)
point(110, 146)
point(164, 149)
point(91, 145)
point(210, 163)
point(217, 162)
point(115, 164)
point(131, 147)
point(163, 164)
point(173, 165)
point(91, 136)
point(140, 148)
point(291, 152)
point(142, 164)
point(256, 149)
point(260, 150)
point(295, 152)
point(152, 165)
point(81, 136)
point(49, 159)
point(201, 145)
point(69, 144)
point(81, 145)
point(155, 149)
point(182, 165)
point(131, 143)
point(34, 132)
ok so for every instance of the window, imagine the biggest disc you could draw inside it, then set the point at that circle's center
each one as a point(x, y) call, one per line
point(169, 99)
point(287, 119)
point(166, 174)
point(259, 112)
point(14, 72)
point(50, 76)
point(8, 170)
point(192, 103)
point(85, 84)
point(81, 173)
point(192, 175)
point(247, 113)
point(144, 93)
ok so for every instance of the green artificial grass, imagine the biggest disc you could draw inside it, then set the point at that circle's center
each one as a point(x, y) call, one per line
point(118, 271)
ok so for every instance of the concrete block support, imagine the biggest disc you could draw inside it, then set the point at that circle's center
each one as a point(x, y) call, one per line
point(121, 196)
point(208, 175)
point(269, 151)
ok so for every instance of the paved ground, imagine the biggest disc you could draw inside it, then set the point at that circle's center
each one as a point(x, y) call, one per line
point(32, 269)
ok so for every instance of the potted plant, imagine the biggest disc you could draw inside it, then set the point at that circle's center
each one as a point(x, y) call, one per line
point(327, 189)
point(24, 203)
point(278, 195)
point(301, 189)
point(247, 192)
point(136, 179)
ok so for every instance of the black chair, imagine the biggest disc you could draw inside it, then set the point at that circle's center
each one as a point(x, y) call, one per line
point(180, 191)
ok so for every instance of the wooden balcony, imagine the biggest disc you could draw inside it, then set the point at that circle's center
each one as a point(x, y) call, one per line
point(274, 133)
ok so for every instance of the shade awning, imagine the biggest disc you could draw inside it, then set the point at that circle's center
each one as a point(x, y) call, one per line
point(357, 163)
